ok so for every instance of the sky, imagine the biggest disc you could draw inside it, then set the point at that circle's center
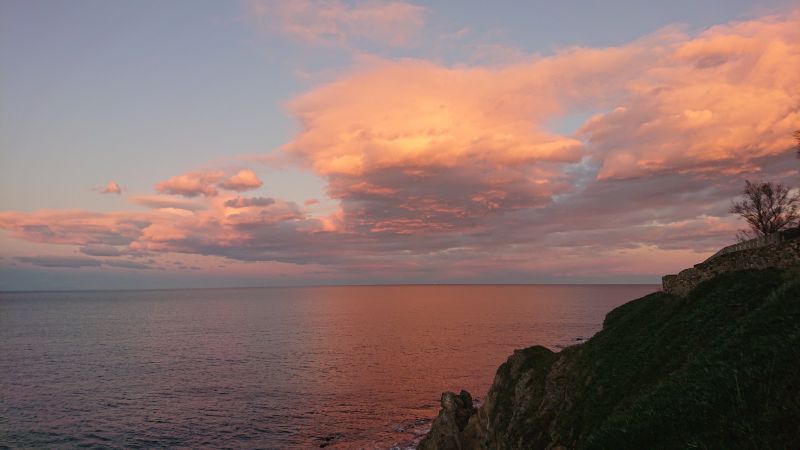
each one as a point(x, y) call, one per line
point(300, 142)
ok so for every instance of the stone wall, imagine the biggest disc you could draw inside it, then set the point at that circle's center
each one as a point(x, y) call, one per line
point(762, 241)
point(783, 254)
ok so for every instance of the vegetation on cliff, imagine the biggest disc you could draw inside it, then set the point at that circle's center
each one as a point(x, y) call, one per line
point(715, 369)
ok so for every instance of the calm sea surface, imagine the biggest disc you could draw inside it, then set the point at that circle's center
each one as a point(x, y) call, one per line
point(335, 367)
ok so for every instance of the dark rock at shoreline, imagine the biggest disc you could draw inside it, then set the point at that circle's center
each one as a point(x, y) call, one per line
point(450, 423)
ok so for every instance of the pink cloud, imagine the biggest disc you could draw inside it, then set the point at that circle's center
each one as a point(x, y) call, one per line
point(333, 22)
point(262, 212)
point(192, 184)
point(207, 183)
point(411, 144)
point(74, 227)
point(414, 112)
point(709, 104)
point(110, 188)
point(243, 180)
point(264, 231)
point(243, 202)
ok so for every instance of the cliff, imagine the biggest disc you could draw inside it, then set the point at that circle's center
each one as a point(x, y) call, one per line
point(716, 368)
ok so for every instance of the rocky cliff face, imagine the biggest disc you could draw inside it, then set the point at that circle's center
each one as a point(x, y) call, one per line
point(714, 369)
point(451, 422)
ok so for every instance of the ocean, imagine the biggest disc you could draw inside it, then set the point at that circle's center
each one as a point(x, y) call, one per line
point(312, 367)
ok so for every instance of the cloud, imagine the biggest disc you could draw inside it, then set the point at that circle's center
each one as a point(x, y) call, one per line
point(271, 231)
point(74, 227)
point(708, 104)
point(243, 202)
point(334, 22)
point(72, 262)
point(207, 183)
point(412, 146)
point(166, 201)
point(100, 250)
point(244, 180)
point(394, 114)
point(454, 173)
point(126, 264)
point(79, 262)
point(263, 211)
point(110, 188)
point(192, 184)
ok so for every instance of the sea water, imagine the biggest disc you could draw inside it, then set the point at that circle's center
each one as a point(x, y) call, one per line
point(312, 367)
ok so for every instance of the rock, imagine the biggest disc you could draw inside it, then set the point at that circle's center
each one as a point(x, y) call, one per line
point(454, 416)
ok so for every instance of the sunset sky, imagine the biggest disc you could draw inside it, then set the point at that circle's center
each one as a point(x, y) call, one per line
point(284, 142)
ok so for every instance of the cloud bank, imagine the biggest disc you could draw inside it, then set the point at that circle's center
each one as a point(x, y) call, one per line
point(455, 172)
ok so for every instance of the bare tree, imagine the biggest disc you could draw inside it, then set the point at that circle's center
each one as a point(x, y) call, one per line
point(767, 207)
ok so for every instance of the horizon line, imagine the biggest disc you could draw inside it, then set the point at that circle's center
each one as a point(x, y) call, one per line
point(318, 286)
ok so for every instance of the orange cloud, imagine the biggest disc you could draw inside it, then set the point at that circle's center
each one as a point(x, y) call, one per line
point(411, 146)
point(678, 102)
point(416, 145)
point(192, 184)
point(333, 22)
point(414, 112)
point(207, 183)
point(244, 180)
point(709, 104)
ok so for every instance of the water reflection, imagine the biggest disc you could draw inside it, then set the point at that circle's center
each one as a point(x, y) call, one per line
point(343, 367)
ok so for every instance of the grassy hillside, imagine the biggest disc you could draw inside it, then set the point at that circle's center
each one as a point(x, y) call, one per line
point(719, 368)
